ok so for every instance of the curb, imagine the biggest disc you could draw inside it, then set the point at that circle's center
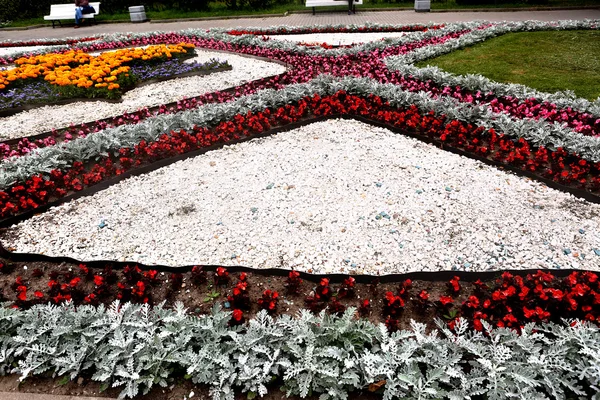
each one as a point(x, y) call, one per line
point(255, 16)
point(460, 10)
point(565, 8)
point(36, 396)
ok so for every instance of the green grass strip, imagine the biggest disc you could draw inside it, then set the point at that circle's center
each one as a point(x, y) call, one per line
point(547, 61)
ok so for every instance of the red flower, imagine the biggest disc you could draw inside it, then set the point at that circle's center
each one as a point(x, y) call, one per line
point(590, 276)
point(498, 296)
point(580, 290)
point(151, 275)
point(139, 289)
point(572, 279)
point(445, 300)
point(473, 302)
point(480, 285)
point(38, 294)
point(84, 269)
point(524, 292)
point(511, 319)
point(221, 276)
point(528, 313)
point(22, 293)
point(452, 324)
point(74, 282)
point(238, 315)
point(454, 285)
point(423, 295)
point(349, 282)
point(556, 294)
point(98, 280)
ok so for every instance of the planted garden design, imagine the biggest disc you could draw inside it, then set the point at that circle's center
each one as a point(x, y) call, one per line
point(326, 220)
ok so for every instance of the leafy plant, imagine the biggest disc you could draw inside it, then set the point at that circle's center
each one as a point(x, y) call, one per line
point(211, 296)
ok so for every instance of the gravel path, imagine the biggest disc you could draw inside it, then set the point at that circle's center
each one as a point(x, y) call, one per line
point(45, 118)
point(334, 196)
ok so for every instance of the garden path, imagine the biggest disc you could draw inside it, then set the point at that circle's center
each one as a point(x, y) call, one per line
point(298, 19)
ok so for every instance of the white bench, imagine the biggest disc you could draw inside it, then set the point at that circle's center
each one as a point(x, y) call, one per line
point(67, 11)
point(324, 3)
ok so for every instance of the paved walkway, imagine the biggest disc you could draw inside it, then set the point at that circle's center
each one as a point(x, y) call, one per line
point(322, 18)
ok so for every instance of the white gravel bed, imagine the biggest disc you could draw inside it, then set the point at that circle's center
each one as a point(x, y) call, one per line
point(333, 196)
point(337, 39)
point(7, 51)
point(45, 118)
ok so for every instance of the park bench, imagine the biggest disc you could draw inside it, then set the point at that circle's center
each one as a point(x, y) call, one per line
point(324, 3)
point(59, 12)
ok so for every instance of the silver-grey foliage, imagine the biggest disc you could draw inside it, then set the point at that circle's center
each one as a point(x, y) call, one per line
point(137, 346)
point(538, 132)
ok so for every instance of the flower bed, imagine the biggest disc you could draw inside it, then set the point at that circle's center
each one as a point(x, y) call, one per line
point(66, 77)
point(552, 138)
point(511, 301)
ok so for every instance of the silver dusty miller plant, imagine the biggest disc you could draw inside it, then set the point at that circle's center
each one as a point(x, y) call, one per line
point(135, 347)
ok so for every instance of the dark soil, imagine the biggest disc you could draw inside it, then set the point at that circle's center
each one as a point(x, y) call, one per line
point(200, 299)
point(178, 390)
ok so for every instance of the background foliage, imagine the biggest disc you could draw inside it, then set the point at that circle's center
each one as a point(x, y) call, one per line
point(11, 10)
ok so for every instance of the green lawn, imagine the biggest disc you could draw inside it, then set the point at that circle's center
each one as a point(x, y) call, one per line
point(547, 61)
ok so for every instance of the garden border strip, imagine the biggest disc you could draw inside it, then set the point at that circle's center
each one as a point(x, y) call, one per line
point(124, 38)
point(90, 190)
point(221, 35)
point(167, 105)
point(444, 78)
point(539, 133)
point(430, 276)
point(152, 109)
point(12, 111)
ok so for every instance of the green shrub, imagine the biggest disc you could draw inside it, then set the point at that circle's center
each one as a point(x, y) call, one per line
point(260, 4)
point(34, 8)
point(115, 6)
point(9, 10)
point(193, 5)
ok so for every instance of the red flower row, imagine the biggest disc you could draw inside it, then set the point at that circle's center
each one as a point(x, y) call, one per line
point(510, 301)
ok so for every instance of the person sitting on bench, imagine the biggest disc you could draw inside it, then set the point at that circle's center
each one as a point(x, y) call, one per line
point(82, 7)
